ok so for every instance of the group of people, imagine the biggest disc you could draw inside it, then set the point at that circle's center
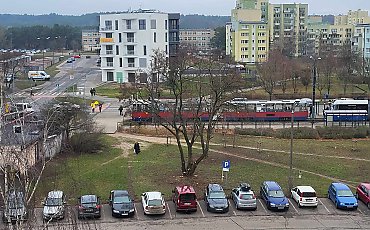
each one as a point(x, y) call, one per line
point(93, 106)
point(93, 91)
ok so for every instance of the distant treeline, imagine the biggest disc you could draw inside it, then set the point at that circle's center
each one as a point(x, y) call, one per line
point(92, 20)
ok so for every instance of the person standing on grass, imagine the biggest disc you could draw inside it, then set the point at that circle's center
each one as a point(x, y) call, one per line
point(137, 148)
point(120, 110)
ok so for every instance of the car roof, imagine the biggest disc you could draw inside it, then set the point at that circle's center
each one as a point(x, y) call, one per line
point(273, 185)
point(154, 195)
point(185, 189)
point(215, 187)
point(306, 189)
point(55, 194)
point(340, 186)
point(366, 184)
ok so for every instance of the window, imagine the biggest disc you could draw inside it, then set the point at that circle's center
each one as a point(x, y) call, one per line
point(154, 37)
point(130, 50)
point(144, 50)
point(109, 35)
point(117, 50)
point(165, 24)
point(153, 24)
point(120, 62)
point(108, 25)
point(166, 49)
point(142, 24)
point(110, 76)
point(130, 37)
point(120, 37)
point(165, 37)
point(128, 24)
point(131, 62)
point(142, 62)
point(116, 24)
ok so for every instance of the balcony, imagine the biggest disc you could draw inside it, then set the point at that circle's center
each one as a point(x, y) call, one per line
point(106, 40)
point(107, 65)
point(130, 40)
point(107, 28)
point(109, 52)
point(131, 65)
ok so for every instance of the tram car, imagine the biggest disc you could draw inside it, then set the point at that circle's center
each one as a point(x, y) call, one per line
point(348, 110)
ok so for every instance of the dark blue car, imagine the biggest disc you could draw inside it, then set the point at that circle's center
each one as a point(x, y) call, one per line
point(342, 196)
point(273, 195)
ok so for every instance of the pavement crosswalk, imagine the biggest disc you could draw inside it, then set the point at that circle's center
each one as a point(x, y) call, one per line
point(40, 94)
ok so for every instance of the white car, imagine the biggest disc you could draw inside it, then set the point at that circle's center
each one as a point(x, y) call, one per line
point(153, 203)
point(304, 196)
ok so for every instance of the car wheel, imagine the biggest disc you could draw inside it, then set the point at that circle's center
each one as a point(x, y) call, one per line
point(237, 206)
point(336, 205)
point(299, 205)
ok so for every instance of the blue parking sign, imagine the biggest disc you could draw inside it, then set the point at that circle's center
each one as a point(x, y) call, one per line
point(226, 164)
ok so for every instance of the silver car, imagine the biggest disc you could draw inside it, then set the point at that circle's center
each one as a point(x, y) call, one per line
point(243, 197)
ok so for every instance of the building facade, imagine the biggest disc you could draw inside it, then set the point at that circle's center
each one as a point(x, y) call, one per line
point(247, 35)
point(361, 43)
point(199, 39)
point(90, 40)
point(352, 18)
point(128, 41)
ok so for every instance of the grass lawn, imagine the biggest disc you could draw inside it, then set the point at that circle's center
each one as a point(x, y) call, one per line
point(157, 167)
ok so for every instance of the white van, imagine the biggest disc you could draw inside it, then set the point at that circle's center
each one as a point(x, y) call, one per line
point(38, 75)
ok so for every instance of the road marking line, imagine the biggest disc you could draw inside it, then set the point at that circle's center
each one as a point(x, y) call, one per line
point(293, 206)
point(201, 210)
point(324, 205)
point(137, 216)
point(358, 208)
point(262, 206)
point(169, 210)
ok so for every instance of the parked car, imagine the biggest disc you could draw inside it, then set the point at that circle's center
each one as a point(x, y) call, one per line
point(184, 198)
point(121, 203)
point(342, 196)
point(54, 205)
point(15, 210)
point(363, 193)
point(273, 195)
point(244, 197)
point(89, 206)
point(215, 199)
point(304, 196)
point(69, 60)
point(153, 203)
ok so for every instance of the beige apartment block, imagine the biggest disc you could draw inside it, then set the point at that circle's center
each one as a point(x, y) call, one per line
point(352, 18)
point(90, 40)
point(199, 39)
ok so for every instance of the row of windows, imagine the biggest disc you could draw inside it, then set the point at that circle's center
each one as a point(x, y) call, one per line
point(247, 56)
point(130, 37)
point(193, 33)
point(245, 27)
point(195, 38)
point(128, 24)
point(246, 48)
point(130, 50)
point(247, 41)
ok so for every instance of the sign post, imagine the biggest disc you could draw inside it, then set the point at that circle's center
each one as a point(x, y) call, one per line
point(225, 170)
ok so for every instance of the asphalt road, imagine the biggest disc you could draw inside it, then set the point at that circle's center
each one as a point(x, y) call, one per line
point(325, 216)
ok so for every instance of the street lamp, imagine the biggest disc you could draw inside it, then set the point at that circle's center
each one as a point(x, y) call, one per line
point(290, 179)
point(313, 113)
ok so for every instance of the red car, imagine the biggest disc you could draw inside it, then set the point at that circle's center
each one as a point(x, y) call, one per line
point(184, 198)
point(363, 193)
point(76, 56)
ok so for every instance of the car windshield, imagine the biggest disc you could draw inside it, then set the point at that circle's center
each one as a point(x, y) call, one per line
point(121, 199)
point(246, 196)
point(217, 195)
point(345, 193)
point(187, 197)
point(308, 194)
point(156, 202)
point(53, 202)
point(276, 194)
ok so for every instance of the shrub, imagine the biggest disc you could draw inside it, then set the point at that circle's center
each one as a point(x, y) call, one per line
point(337, 132)
point(87, 142)
point(299, 133)
point(255, 132)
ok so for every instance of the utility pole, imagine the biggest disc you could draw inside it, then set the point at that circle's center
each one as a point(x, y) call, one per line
point(290, 180)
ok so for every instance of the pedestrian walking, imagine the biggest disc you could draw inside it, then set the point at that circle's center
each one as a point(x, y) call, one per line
point(31, 92)
point(91, 92)
point(93, 107)
point(137, 148)
point(94, 91)
point(120, 110)
point(100, 107)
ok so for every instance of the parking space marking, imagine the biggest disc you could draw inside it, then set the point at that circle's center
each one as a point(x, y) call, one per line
point(262, 206)
point(291, 203)
point(358, 208)
point(169, 210)
point(324, 206)
point(201, 210)
point(137, 216)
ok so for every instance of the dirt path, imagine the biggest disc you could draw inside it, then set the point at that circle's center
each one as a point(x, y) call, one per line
point(162, 140)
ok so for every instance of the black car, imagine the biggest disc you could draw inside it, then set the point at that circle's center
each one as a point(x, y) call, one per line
point(215, 199)
point(89, 206)
point(15, 210)
point(121, 203)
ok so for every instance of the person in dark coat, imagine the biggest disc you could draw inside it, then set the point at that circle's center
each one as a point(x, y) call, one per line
point(120, 110)
point(137, 148)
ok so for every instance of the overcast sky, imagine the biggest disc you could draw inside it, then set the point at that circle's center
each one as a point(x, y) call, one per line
point(207, 7)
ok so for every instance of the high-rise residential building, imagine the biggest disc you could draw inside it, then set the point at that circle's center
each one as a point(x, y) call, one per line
point(90, 40)
point(247, 35)
point(199, 39)
point(128, 41)
point(288, 27)
point(361, 42)
point(352, 18)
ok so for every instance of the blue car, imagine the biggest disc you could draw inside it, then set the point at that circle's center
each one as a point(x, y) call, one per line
point(273, 195)
point(342, 196)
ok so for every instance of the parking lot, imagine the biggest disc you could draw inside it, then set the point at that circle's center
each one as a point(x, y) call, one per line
point(325, 207)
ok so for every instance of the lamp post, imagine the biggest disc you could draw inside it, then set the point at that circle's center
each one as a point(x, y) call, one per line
point(290, 179)
point(313, 114)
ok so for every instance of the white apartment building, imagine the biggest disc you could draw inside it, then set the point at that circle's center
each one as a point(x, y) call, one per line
point(129, 39)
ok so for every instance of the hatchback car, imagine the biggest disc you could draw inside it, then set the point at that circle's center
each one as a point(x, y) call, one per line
point(304, 196)
point(153, 203)
point(273, 195)
point(243, 197)
point(15, 210)
point(215, 199)
point(54, 206)
point(342, 196)
point(121, 203)
point(184, 198)
point(363, 193)
point(89, 206)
